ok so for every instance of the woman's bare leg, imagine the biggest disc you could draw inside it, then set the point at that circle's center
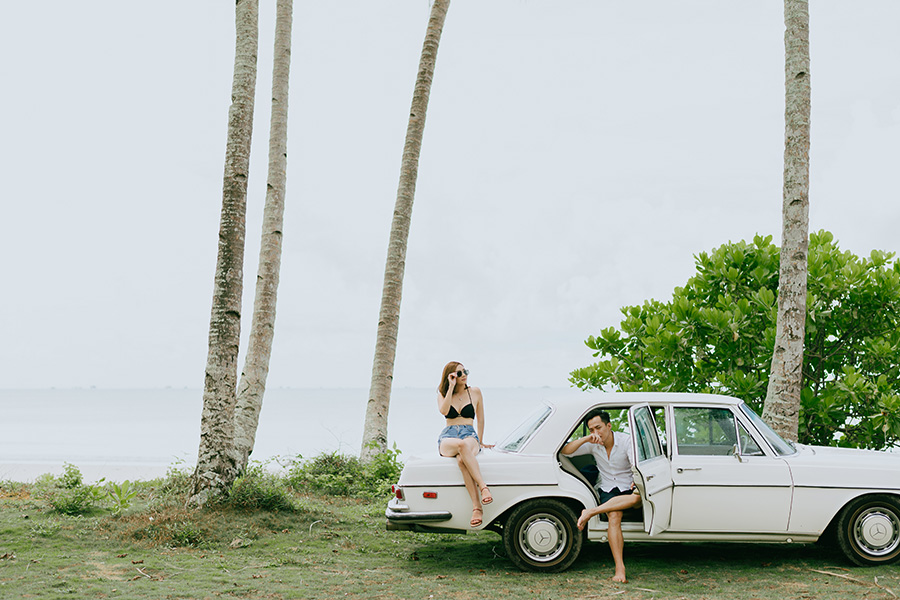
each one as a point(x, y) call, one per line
point(453, 447)
point(469, 452)
point(470, 483)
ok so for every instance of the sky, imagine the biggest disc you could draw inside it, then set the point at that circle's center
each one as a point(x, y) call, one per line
point(576, 156)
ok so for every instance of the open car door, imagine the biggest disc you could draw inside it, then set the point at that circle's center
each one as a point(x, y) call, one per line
point(653, 476)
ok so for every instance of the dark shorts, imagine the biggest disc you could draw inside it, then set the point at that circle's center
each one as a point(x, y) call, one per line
point(607, 496)
point(460, 432)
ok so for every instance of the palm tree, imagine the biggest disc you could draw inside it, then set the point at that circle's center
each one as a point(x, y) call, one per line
point(375, 427)
point(782, 406)
point(262, 331)
point(216, 464)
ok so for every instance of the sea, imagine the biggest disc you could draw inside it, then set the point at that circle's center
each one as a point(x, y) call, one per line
point(121, 434)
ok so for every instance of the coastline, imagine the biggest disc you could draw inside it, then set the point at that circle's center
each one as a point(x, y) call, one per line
point(139, 434)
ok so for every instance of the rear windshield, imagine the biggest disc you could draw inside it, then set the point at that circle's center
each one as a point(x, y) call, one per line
point(521, 434)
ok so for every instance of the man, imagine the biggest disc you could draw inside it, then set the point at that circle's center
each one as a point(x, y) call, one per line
point(615, 458)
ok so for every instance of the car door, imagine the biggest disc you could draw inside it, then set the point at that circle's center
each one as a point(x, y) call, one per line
point(724, 479)
point(653, 476)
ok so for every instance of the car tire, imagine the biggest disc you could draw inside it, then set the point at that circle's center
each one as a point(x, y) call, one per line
point(868, 530)
point(540, 535)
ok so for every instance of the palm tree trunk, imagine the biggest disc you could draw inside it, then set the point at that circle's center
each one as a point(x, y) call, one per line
point(216, 464)
point(782, 406)
point(262, 331)
point(375, 427)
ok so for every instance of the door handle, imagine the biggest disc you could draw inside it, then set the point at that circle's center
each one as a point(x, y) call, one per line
point(649, 477)
point(683, 469)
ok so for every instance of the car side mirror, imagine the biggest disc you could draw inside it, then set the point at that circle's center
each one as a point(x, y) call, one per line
point(736, 451)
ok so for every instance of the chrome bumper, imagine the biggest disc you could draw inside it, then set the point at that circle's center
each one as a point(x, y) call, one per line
point(396, 511)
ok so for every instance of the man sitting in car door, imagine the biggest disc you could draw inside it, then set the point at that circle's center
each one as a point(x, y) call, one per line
point(613, 452)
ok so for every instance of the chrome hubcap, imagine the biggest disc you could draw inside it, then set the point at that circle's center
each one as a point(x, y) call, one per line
point(877, 531)
point(542, 537)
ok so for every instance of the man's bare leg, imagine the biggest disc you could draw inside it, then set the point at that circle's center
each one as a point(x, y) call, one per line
point(617, 544)
point(618, 503)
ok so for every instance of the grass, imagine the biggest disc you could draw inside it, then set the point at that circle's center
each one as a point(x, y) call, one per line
point(331, 547)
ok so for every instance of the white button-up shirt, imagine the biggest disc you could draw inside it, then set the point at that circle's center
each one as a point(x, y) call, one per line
point(615, 469)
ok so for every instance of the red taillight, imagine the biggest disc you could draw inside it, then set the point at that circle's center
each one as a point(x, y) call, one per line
point(429, 495)
point(397, 491)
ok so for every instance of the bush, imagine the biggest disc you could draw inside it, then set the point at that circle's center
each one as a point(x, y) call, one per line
point(257, 489)
point(175, 488)
point(67, 494)
point(338, 474)
point(120, 495)
point(71, 478)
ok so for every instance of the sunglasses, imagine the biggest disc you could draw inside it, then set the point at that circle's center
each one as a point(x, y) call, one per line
point(463, 372)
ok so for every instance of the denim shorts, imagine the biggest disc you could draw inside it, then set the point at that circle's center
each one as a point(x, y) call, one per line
point(460, 432)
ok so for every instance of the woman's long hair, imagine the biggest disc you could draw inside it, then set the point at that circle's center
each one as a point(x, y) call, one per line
point(445, 385)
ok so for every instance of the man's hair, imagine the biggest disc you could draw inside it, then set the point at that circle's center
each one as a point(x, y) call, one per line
point(597, 412)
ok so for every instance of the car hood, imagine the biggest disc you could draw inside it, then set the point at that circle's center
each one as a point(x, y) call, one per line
point(823, 466)
point(497, 467)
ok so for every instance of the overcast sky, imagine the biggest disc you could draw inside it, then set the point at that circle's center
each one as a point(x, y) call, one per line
point(577, 154)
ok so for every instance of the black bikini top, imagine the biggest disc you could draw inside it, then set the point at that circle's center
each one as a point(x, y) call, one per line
point(467, 412)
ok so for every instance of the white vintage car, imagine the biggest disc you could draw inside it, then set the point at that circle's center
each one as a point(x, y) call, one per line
point(708, 469)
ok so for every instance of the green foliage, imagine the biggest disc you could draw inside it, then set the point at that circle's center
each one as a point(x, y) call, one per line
point(67, 494)
point(187, 534)
point(177, 484)
point(717, 333)
point(257, 489)
point(71, 477)
point(120, 495)
point(338, 474)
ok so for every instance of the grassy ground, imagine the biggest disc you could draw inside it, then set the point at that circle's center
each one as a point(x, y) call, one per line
point(338, 548)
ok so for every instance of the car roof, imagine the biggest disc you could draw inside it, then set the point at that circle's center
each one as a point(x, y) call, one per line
point(583, 399)
point(569, 406)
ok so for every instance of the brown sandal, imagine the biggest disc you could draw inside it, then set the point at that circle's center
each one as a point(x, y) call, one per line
point(476, 521)
point(489, 498)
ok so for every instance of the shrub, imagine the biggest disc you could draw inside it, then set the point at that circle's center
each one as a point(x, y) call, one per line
point(71, 477)
point(176, 486)
point(67, 494)
point(257, 489)
point(336, 474)
point(120, 495)
point(329, 473)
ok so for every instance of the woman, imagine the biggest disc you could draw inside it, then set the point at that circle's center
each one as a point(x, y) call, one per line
point(462, 406)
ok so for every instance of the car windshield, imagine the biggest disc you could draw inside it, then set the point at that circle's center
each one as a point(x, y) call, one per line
point(781, 447)
point(523, 433)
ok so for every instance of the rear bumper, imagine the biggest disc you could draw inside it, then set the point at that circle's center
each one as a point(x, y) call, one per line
point(398, 512)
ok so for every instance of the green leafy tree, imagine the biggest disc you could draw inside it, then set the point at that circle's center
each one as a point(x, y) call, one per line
point(717, 333)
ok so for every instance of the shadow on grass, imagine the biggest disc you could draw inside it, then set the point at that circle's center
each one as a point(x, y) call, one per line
point(484, 552)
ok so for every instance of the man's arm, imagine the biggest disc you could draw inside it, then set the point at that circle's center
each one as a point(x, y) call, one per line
point(577, 447)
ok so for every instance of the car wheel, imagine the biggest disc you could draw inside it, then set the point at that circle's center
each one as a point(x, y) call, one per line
point(540, 535)
point(868, 530)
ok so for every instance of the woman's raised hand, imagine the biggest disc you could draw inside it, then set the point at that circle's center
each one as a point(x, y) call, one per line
point(452, 379)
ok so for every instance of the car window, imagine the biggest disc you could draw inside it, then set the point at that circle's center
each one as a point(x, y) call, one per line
point(781, 447)
point(648, 445)
point(705, 431)
point(659, 417)
point(748, 446)
point(618, 421)
point(521, 434)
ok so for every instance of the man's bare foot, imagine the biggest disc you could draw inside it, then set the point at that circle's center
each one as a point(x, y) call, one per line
point(620, 577)
point(583, 519)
